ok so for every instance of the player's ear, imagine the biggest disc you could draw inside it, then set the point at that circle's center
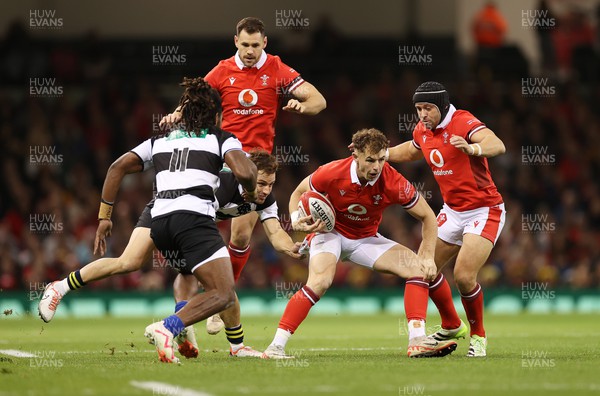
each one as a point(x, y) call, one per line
point(235, 39)
point(265, 42)
point(355, 156)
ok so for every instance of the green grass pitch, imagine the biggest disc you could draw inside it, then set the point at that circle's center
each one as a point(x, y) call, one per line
point(335, 355)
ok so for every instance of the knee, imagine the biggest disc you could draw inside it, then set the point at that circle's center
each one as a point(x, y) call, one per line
point(465, 281)
point(225, 298)
point(319, 285)
point(241, 237)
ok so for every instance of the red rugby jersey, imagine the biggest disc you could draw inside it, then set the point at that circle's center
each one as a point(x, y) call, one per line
point(465, 180)
point(358, 208)
point(250, 97)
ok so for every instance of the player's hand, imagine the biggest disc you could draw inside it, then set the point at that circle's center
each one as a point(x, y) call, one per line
point(170, 119)
point(429, 269)
point(303, 225)
point(294, 106)
point(461, 144)
point(293, 252)
point(250, 196)
point(104, 230)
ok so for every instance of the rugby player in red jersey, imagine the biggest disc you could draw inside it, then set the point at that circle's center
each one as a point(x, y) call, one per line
point(360, 187)
point(456, 146)
point(251, 84)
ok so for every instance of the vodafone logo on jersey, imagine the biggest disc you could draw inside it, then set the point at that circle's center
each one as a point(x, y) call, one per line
point(357, 211)
point(247, 98)
point(436, 158)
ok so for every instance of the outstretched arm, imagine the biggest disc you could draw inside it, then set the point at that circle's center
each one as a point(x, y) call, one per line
point(405, 152)
point(280, 239)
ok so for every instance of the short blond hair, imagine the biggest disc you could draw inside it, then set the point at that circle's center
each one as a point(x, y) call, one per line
point(370, 139)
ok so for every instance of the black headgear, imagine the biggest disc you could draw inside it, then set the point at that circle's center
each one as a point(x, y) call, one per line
point(434, 93)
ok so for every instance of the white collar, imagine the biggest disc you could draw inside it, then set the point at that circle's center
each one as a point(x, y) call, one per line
point(258, 65)
point(354, 176)
point(448, 117)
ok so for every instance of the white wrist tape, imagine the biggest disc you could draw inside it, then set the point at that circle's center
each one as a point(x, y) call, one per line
point(478, 149)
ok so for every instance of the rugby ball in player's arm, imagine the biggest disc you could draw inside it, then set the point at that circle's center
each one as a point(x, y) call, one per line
point(318, 206)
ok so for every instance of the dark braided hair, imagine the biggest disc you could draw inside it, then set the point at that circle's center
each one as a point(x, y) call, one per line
point(200, 104)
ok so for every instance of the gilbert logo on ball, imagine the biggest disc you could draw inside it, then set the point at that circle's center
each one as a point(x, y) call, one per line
point(319, 207)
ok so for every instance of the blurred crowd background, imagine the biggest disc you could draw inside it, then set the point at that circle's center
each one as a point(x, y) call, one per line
point(57, 148)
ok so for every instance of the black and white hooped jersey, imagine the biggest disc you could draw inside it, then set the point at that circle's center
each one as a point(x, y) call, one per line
point(187, 168)
point(230, 202)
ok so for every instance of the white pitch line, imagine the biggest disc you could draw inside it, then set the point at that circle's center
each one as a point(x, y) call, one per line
point(211, 351)
point(347, 349)
point(15, 353)
point(162, 388)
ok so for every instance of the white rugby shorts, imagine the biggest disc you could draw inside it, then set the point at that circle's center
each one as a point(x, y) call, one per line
point(487, 222)
point(364, 251)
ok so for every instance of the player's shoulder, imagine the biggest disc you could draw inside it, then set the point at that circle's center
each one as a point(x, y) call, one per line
point(229, 62)
point(390, 177)
point(420, 128)
point(273, 59)
point(228, 181)
point(338, 171)
point(390, 173)
point(221, 134)
point(464, 116)
point(224, 65)
point(335, 168)
point(275, 62)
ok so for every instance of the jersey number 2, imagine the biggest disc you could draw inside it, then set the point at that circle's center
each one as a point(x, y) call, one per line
point(179, 160)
